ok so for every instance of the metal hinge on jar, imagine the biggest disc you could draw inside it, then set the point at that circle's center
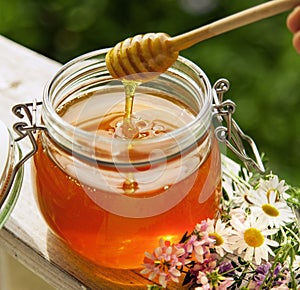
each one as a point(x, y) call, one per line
point(23, 130)
point(230, 133)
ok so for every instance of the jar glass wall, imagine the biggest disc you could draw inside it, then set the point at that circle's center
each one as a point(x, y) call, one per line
point(112, 198)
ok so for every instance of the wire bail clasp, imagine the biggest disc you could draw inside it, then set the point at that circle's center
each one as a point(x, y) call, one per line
point(231, 134)
point(23, 130)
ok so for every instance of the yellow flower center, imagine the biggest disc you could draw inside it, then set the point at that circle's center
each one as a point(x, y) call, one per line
point(270, 210)
point(219, 240)
point(253, 237)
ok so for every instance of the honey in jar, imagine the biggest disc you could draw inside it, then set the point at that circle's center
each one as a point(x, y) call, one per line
point(109, 196)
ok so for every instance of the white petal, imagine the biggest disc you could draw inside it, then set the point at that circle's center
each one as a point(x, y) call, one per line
point(148, 255)
point(241, 247)
point(271, 243)
point(152, 275)
point(220, 251)
point(272, 196)
point(162, 281)
point(269, 232)
point(158, 251)
point(261, 253)
point(228, 248)
point(175, 272)
point(236, 223)
point(169, 250)
point(262, 220)
point(145, 271)
point(249, 254)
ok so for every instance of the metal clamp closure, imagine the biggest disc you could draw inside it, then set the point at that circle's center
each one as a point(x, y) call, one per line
point(23, 130)
point(231, 134)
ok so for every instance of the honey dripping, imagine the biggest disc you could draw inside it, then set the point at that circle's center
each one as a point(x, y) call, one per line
point(129, 130)
point(130, 185)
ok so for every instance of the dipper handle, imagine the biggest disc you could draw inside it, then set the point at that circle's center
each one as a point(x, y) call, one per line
point(239, 19)
point(144, 57)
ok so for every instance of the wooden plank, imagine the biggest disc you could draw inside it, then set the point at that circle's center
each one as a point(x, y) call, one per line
point(23, 75)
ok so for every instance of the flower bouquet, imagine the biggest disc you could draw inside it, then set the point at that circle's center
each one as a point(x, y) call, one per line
point(253, 243)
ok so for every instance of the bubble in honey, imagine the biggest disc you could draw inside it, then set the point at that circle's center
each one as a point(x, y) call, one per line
point(141, 124)
point(126, 129)
point(158, 129)
point(130, 186)
point(129, 130)
point(144, 134)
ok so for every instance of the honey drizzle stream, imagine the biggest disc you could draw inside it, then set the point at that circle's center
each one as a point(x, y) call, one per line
point(129, 98)
point(129, 130)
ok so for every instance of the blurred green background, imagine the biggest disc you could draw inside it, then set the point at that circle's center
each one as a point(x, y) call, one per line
point(258, 60)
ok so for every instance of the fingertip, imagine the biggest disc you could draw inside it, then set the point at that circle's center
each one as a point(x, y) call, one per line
point(293, 20)
point(296, 41)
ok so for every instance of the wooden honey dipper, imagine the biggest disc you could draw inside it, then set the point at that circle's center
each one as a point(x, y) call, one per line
point(144, 57)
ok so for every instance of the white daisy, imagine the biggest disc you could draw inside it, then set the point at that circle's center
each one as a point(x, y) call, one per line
point(221, 233)
point(273, 184)
point(270, 211)
point(242, 195)
point(251, 239)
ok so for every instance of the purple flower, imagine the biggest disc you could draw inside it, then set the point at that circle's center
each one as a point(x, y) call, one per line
point(226, 269)
point(263, 269)
point(277, 269)
point(264, 275)
point(261, 272)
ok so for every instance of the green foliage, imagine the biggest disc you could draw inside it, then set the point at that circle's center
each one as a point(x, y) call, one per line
point(258, 60)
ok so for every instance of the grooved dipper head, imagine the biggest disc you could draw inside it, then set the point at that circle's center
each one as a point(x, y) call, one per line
point(141, 58)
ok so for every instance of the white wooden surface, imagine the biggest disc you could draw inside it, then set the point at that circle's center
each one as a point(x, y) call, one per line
point(23, 75)
point(15, 276)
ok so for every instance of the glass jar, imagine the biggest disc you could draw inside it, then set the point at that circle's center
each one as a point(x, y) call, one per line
point(11, 173)
point(111, 198)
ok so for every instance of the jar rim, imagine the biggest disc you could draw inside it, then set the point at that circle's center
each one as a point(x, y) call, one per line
point(54, 122)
